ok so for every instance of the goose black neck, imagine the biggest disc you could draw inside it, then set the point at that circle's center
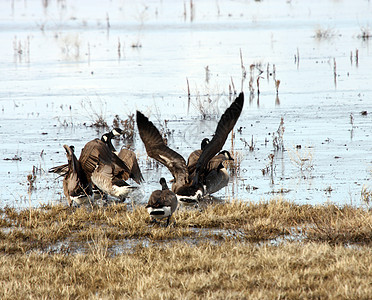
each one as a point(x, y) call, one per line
point(108, 141)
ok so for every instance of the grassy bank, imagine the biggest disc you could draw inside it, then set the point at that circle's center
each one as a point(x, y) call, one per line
point(273, 249)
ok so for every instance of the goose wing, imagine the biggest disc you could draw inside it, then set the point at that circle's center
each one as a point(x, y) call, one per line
point(71, 180)
point(75, 181)
point(215, 162)
point(92, 153)
point(96, 152)
point(169, 199)
point(130, 159)
point(156, 148)
point(192, 160)
point(155, 199)
point(225, 125)
point(60, 170)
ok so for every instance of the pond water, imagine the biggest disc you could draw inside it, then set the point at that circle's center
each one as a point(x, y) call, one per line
point(66, 63)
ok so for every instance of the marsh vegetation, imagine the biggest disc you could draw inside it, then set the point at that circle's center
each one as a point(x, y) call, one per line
point(226, 250)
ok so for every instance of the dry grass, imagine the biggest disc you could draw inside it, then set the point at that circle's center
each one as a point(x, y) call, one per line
point(182, 271)
point(232, 250)
point(127, 125)
point(302, 158)
point(97, 117)
point(366, 196)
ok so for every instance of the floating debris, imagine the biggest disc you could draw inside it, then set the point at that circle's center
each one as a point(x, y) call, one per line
point(15, 157)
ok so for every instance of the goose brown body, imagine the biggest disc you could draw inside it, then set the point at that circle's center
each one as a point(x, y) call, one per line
point(76, 185)
point(162, 203)
point(105, 169)
point(100, 167)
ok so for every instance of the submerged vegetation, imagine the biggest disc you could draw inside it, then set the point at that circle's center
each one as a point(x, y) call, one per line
point(324, 33)
point(365, 33)
point(224, 250)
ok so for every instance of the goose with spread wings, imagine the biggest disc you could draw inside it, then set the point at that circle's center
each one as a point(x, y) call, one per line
point(191, 184)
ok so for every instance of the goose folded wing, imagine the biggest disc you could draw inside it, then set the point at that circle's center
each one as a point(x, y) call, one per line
point(121, 169)
point(155, 199)
point(191, 162)
point(96, 152)
point(167, 197)
point(215, 162)
point(130, 159)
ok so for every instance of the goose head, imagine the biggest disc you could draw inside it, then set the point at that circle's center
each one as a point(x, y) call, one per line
point(204, 143)
point(109, 135)
point(163, 183)
point(117, 131)
point(226, 154)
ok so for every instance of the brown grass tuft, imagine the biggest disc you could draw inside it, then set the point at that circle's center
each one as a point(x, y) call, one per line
point(345, 225)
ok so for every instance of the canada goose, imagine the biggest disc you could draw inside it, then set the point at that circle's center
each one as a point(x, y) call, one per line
point(189, 186)
point(62, 169)
point(105, 169)
point(76, 186)
point(162, 203)
point(126, 155)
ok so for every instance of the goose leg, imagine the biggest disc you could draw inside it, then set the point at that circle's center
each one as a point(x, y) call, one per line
point(132, 203)
point(153, 221)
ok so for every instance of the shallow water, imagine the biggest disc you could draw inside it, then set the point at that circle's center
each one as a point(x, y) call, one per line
point(61, 67)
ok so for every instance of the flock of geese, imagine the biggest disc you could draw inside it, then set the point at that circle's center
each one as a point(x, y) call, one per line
point(101, 170)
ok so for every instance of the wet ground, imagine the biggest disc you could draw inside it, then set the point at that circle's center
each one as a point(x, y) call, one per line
point(65, 64)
